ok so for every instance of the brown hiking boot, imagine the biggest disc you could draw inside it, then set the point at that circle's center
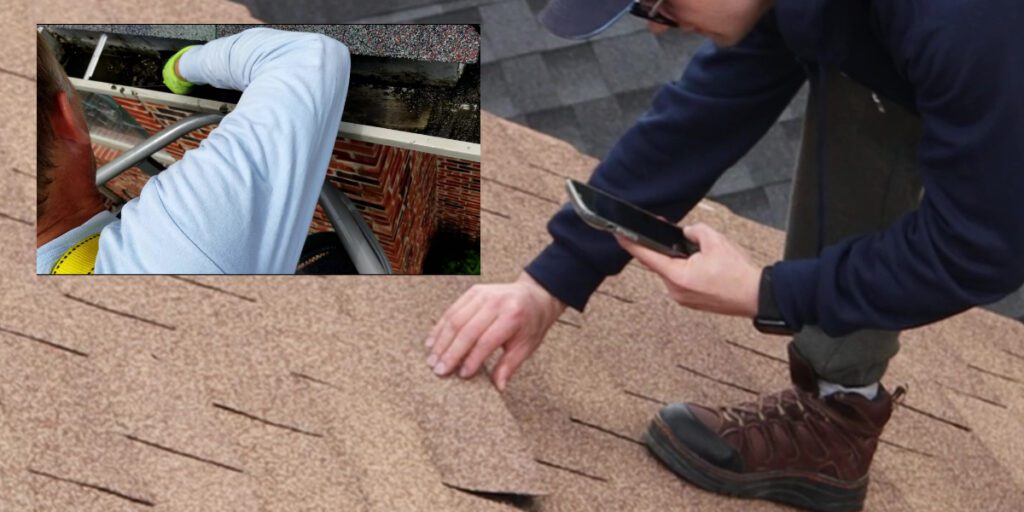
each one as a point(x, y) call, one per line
point(792, 447)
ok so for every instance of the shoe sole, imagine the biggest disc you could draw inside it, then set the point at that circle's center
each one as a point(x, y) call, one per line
point(801, 491)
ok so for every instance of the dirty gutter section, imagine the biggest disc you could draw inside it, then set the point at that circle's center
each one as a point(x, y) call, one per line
point(432, 98)
point(396, 138)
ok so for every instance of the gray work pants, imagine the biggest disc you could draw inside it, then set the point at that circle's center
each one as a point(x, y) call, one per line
point(871, 179)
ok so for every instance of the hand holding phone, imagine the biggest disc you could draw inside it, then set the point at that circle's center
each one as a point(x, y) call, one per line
point(606, 212)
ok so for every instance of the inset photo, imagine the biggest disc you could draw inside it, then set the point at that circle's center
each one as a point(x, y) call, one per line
point(262, 149)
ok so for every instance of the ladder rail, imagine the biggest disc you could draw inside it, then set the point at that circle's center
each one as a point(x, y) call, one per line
point(158, 141)
point(355, 235)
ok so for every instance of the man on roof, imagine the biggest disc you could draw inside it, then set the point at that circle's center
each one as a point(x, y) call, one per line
point(240, 203)
point(921, 94)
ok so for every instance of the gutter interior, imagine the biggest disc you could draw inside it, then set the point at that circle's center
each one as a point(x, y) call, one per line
point(437, 99)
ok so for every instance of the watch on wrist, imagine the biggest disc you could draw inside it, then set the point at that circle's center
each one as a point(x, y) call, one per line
point(768, 319)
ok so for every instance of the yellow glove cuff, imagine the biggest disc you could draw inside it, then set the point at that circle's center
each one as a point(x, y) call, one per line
point(175, 83)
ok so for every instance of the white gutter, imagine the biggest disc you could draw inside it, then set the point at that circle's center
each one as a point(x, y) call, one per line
point(399, 139)
point(414, 141)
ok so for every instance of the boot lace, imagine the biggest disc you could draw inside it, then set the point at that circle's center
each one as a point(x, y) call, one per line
point(747, 411)
point(760, 407)
point(900, 394)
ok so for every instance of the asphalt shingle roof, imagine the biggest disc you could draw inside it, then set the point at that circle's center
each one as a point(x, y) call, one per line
point(237, 393)
point(241, 393)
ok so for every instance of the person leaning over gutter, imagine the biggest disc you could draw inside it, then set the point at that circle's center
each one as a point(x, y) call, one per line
point(241, 202)
point(956, 68)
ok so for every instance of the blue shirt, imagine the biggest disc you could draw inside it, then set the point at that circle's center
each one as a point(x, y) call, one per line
point(242, 202)
point(959, 64)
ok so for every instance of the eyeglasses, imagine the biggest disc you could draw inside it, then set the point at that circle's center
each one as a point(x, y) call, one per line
point(651, 14)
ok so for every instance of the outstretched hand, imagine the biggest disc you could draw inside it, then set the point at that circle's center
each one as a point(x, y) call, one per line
point(720, 278)
point(513, 316)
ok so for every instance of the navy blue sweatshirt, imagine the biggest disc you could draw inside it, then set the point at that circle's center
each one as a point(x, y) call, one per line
point(959, 64)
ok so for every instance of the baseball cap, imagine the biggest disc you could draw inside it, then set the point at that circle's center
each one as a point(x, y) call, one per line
point(580, 19)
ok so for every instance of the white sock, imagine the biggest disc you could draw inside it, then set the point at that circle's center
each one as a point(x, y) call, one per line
point(826, 388)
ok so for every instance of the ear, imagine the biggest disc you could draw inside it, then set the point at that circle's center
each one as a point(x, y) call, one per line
point(68, 120)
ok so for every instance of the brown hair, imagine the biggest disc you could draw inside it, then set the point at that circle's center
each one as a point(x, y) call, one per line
point(50, 81)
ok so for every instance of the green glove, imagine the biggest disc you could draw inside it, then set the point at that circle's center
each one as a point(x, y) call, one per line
point(175, 83)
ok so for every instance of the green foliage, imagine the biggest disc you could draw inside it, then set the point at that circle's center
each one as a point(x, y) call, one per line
point(467, 263)
point(452, 252)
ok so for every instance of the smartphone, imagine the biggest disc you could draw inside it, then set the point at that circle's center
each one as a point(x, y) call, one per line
point(606, 212)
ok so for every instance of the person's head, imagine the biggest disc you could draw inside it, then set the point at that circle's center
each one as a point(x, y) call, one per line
point(725, 22)
point(64, 157)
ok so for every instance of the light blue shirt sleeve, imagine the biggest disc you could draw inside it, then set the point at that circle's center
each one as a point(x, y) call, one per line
point(242, 202)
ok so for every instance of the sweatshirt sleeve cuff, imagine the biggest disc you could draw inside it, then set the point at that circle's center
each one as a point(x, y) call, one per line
point(564, 275)
point(795, 287)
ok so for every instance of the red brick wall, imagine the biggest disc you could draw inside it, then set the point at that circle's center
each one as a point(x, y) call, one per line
point(394, 189)
point(403, 195)
point(458, 196)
